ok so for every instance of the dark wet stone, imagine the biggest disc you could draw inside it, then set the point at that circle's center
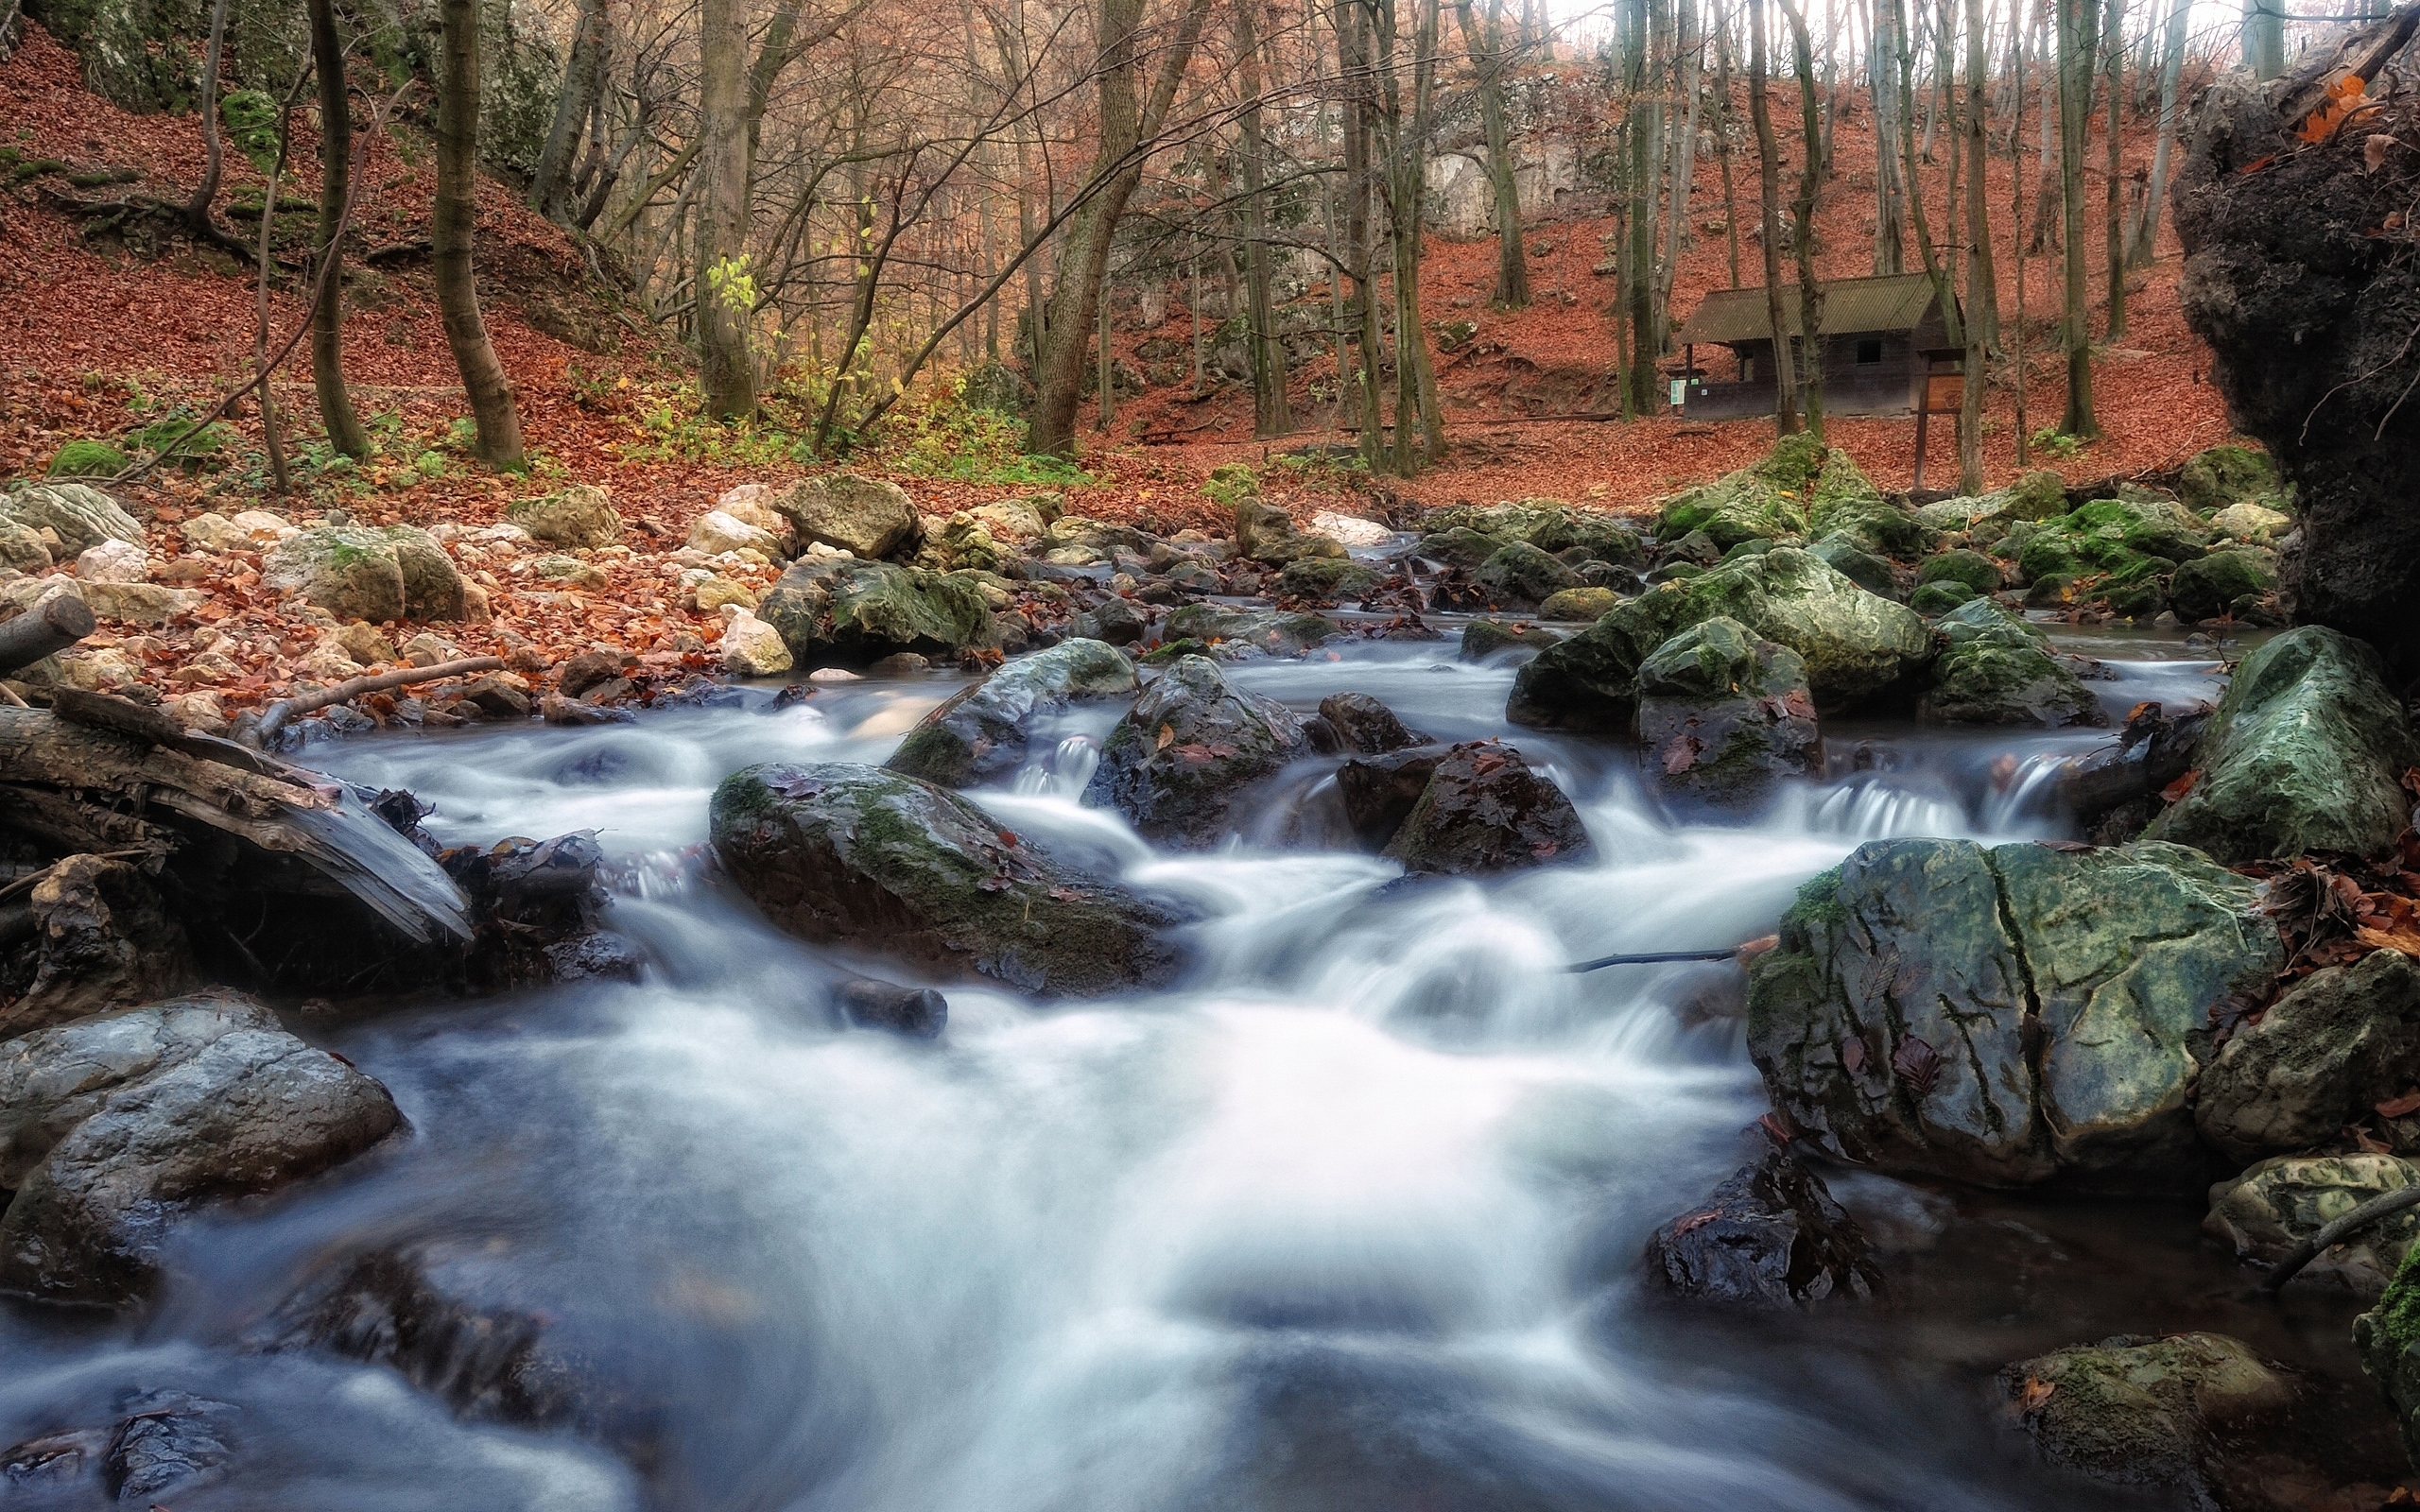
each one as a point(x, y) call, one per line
point(1379, 791)
point(1180, 760)
point(1769, 1236)
point(1365, 725)
point(1486, 810)
point(867, 1003)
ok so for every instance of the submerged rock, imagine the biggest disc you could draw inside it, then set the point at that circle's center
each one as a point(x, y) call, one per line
point(867, 1003)
point(2144, 1411)
point(2307, 752)
point(2345, 1039)
point(2276, 1205)
point(2003, 1016)
point(1364, 726)
point(1724, 716)
point(1484, 810)
point(840, 854)
point(1178, 762)
point(983, 733)
point(120, 1124)
point(836, 608)
point(1769, 1236)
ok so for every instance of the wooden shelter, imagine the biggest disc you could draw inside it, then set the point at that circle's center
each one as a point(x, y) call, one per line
point(1881, 338)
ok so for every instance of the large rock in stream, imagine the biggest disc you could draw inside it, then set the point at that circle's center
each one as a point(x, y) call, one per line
point(983, 731)
point(845, 854)
point(1724, 716)
point(837, 609)
point(1178, 761)
point(2151, 1411)
point(1483, 810)
point(113, 1126)
point(1771, 1236)
point(2008, 1015)
point(1994, 670)
point(2345, 1039)
point(2307, 752)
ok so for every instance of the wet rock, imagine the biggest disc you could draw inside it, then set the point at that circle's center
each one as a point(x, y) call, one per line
point(846, 855)
point(2307, 752)
point(1994, 670)
point(1178, 762)
point(2109, 536)
point(1521, 573)
point(984, 733)
point(1265, 533)
point(1557, 528)
point(2214, 585)
point(556, 710)
point(1724, 716)
point(103, 938)
point(964, 542)
point(1327, 578)
point(1378, 792)
point(350, 571)
point(581, 515)
point(2003, 1016)
point(1870, 571)
point(865, 1003)
point(1857, 647)
point(1971, 569)
point(2134, 1411)
point(1364, 726)
point(600, 956)
point(173, 1114)
point(1769, 1236)
point(495, 698)
point(1238, 630)
point(1590, 680)
point(168, 1443)
point(2345, 1039)
point(1763, 502)
point(586, 670)
point(1938, 597)
point(1583, 605)
point(833, 608)
point(865, 517)
point(80, 516)
point(2276, 1205)
point(1113, 622)
point(1486, 810)
point(1482, 638)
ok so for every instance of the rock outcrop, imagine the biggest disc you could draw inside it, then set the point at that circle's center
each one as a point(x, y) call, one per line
point(1724, 716)
point(1996, 669)
point(2009, 1014)
point(983, 733)
point(2345, 1039)
point(865, 517)
point(2276, 1205)
point(836, 609)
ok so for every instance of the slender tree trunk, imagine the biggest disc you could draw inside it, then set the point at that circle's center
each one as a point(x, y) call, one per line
point(2264, 37)
point(272, 431)
point(2114, 50)
point(1981, 299)
point(1889, 175)
point(336, 163)
point(1638, 292)
point(2172, 68)
point(2078, 49)
point(1270, 413)
point(453, 227)
point(2046, 199)
point(726, 292)
point(1722, 146)
point(198, 208)
point(1106, 381)
point(1125, 130)
point(2017, 224)
point(1485, 41)
point(1686, 43)
point(551, 186)
point(1810, 183)
point(1352, 66)
point(1786, 420)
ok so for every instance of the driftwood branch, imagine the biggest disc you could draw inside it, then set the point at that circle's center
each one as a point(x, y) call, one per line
point(277, 715)
point(2340, 1230)
point(46, 629)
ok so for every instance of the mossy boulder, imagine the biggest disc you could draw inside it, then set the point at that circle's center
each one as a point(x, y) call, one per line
point(1521, 573)
point(2345, 1039)
point(1843, 554)
point(2108, 535)
point(1482, 638)
point(1327, 578)
point(2040, 494)
point(1854, 509)
point(832, 610)
point(1572, 534)
point(1994, 670)
point(1723, 717)
point(1580, 605)
point(984, 733)
point(1243, 631)
point(865, 517)
point(1970, 568)
point(80, 516)
point(1939, 596)
point(2307, 752)
point(1267, 534)
point(2224, 475)
point(1857, 646)
point(2276, 1205)
point(1767, 500)
point(432, 584)
point(352, 571)
point(1590, 680)
point(1177, 762)
point(2214, 585)
point(251, 117)
point(2148, 1412)
point(2253, 525)
point(1459, 546)
point(579, 516)
point(845, 854)
point(87, 459)
point(2006, 1015)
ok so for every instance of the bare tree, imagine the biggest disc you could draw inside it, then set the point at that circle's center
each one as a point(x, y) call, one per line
point(453, 227)
point(335, 157)
point(1786, 420)
point(1491, 58)
point(726, 284)
point(2172, 66)
point(1802, 239)
point(1270, 413)
point(2078, 48)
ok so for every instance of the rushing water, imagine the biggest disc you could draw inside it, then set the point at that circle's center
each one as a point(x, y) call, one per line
point(1348, 1219)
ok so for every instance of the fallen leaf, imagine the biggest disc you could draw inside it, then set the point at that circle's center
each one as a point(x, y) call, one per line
point(1008, 836)
point(2369, 1143)
point(2174, 792)
point(2374, 151)
point(1167, 737)
point(2402, 938)
point(1917, 1063)
point(1852, 1055)
point(2036, 1392)
point(2258, 163)
point(1689, 1222)
point(2398, 1107)
point(1680, 755)
point(1775, 1129)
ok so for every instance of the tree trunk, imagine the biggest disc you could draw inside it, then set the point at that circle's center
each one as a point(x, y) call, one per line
point(1889, 106)
point(453, 227)
point(2112, 33)
point(335, 171)
point(1639, 281)
point(1981, 299)
point(1488, 59)
point(1723, 146)
point(1270, 413)
point(726, 287)
point(2172, 67)
point(1769, 174)
point(1360, 255)
point(1117, 168)
point(2017, 224)
point(2264, 37)
point(551, 186)
point(1676, 221)
point(1810, 183)
point(2078, 49)
point(198, 208)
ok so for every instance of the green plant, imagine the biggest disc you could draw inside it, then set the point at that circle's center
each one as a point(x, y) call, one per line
point(250, 116)
point(1232, 483)
point(2056, 442)
point(1325, 469)
point(969, 443)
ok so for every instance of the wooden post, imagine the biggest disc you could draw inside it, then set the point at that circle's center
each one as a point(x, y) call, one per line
point(1923, 413)
point(1943, 391)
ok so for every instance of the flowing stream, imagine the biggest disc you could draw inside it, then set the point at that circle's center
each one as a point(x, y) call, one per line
point(1348, 1219)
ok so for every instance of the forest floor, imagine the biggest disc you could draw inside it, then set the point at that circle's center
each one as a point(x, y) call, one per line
point(103, 333)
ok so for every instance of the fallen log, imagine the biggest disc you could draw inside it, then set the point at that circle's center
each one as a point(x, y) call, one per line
point(2336, 1231)
point(277, 715)
point(87, 786)
point(46, 629)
